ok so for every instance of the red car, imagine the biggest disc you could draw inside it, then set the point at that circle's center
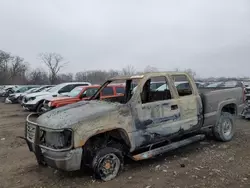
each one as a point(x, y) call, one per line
point(82, 93)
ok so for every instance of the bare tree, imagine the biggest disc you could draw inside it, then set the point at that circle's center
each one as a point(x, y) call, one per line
point(128, 70)
point(54, 62)
point(150, 69)
point(191, 72)
point(81, 76)
point(65, 77)
point(18, 67)
point(38, 76)
point(5, 59)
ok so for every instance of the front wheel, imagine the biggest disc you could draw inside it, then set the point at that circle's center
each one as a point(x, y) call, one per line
point(225, 128)
point(39, 108)
point(107, 163)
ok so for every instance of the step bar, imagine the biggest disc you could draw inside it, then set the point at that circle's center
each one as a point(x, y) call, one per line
point(166, 148)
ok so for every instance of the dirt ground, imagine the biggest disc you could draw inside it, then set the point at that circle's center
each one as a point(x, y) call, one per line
point(205, 164)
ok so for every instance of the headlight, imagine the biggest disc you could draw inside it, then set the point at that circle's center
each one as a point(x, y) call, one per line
point(49, 104)
point(56, 140)
point(31, 98)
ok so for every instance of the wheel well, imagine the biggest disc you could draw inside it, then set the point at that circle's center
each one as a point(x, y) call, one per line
point(114, 138)
point(39, 103)
point(230, 108)
point(117, 135)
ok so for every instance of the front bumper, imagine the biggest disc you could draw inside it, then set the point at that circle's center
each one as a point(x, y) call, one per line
point(8, 101)
point(64, 159)
point(11, 100)
point(30, 107)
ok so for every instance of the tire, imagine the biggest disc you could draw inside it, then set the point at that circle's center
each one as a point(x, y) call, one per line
point(225, 128)
point(39, 108)
point(103, 162)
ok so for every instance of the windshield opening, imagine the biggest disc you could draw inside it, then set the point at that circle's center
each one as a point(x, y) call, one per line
point(75, 92)
point(120, 90)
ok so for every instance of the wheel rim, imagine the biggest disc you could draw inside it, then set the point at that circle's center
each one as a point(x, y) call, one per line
point(227, 127)
point(109, 167)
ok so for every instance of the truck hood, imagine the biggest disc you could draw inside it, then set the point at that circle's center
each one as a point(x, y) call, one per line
point(37, 94)
point(59, 98)
point(56, 96)
point(68, 116)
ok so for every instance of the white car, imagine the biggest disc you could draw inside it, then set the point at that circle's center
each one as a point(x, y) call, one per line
point(13, 98)
point(34, 101)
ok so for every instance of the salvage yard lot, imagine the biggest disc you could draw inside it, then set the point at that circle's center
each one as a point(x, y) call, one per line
point(205, 164)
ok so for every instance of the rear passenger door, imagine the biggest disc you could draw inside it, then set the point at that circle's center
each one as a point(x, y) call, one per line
point(187, 102)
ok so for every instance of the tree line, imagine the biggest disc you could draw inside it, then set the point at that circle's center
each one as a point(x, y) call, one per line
point(15, 70)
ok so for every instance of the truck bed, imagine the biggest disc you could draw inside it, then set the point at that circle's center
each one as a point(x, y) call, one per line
point(213, 97)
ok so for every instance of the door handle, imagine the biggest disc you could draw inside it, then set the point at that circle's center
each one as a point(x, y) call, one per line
point(174, 107)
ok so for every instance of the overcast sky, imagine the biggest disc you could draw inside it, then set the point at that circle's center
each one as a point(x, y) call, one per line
point(204, 35)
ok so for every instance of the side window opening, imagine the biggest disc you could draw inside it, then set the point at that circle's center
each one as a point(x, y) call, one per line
point(107, 91)
point(182, 85)
point(120, 90)
point(89, 92)
point(150, 94)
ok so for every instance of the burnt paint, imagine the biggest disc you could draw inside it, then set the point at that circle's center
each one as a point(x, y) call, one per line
point(144, 124)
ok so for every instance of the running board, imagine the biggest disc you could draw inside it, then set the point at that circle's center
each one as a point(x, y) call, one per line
point(166, 148)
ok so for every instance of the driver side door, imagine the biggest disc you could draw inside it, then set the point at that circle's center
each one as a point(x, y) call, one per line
point(159, 114)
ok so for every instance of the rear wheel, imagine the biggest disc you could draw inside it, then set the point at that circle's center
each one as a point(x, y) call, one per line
point(225, 128)
point(107, 163)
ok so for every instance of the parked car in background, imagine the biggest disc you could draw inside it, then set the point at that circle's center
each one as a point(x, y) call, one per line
point(246, 112)
point(232, 83)
point(34, 90)
point(13, 96)
point(82, 93)
point(215, 84)
point(8, 89)
point(179, 85)
point(34, 101)
point(140, 125)
point(155, 85)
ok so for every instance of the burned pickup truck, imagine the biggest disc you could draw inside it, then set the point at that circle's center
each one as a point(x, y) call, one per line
point(140, 125)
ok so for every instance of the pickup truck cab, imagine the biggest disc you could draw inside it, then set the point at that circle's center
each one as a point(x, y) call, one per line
point(82, 93)
point(34, 101)
point(140, 125)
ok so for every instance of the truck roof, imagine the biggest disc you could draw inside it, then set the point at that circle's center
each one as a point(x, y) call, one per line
point(139, 76)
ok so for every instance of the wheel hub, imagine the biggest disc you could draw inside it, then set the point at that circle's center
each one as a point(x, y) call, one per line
point(109, 166)
point(227, 127)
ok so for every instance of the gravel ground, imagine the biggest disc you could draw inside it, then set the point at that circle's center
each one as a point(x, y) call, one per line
point(206, 164)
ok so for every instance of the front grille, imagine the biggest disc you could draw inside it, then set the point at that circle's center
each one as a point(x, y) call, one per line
point(31, 132)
